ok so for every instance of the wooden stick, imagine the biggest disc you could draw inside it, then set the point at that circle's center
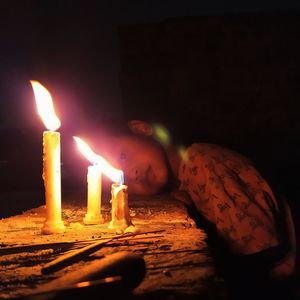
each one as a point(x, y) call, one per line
point(128, 270)
point(30, 248)
point(44, 246)
point(77, 255)
point(57, 245)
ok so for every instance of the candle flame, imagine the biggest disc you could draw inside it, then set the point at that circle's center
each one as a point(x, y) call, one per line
point(45, 106)
point(86, 150)
point(108, 170)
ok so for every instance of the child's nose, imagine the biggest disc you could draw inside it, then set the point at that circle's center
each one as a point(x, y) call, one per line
point(135, 175)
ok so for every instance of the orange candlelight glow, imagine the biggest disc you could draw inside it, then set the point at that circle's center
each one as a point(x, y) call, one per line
point(51, 159)
point(112, 173)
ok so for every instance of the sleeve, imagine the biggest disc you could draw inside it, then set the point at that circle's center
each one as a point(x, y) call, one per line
point(230, 193)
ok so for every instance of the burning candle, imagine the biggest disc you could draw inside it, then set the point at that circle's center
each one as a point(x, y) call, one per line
point(93, 215)
point(121, 221)
point(51, 159)
point(94, 176)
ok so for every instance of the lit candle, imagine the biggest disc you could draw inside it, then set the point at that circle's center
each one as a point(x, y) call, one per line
point(93, 215)
point(51, 160)
point(121, 221)
point(94, 176)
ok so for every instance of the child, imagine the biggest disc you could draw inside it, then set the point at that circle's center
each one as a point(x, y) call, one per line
point(225, 189)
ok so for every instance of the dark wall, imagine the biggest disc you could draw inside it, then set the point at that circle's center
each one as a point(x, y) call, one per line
point(231, 80)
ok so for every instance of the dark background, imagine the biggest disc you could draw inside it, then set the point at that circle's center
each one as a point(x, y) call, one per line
point(215, 71)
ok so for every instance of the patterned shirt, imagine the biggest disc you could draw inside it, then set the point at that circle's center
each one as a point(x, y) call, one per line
point(227, 190)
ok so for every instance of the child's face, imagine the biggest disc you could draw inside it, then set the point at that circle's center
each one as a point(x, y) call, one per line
point(143, 162)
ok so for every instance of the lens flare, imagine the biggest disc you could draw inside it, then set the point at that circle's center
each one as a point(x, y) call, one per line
point(162, 134)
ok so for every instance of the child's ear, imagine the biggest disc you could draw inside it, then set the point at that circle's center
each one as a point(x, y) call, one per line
point(140, 127)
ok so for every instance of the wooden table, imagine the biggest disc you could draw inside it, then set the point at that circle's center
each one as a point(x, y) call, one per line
point(177, 259)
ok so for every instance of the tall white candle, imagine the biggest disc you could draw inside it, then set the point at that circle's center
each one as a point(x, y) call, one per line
point(51, 160)
point(93, 215)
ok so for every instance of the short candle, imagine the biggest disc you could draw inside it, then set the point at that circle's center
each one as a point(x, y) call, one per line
point(119, 208)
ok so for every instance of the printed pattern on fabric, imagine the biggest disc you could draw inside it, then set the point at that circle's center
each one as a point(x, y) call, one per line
point(228, 191)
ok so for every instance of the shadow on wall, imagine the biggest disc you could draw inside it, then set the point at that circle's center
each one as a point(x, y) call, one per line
point(227, 79)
